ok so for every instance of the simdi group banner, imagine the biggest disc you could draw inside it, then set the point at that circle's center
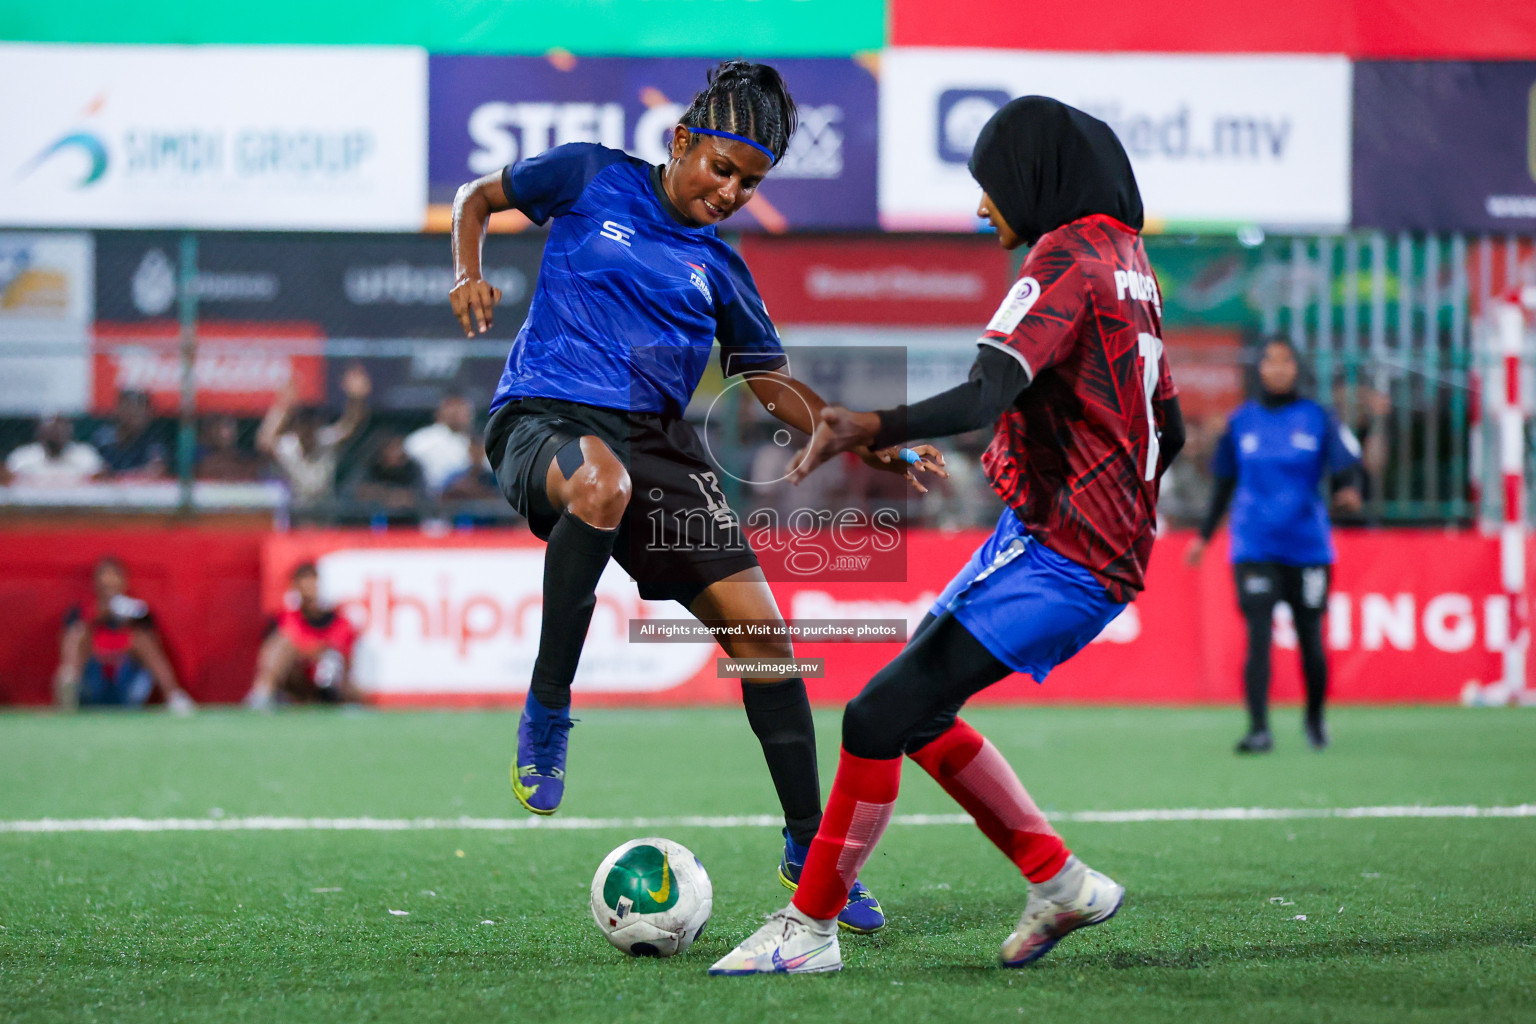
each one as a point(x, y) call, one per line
point(1413, 617)
point(1445, 146)
point(490, 111)
point(1214, 139)
point(316, 138)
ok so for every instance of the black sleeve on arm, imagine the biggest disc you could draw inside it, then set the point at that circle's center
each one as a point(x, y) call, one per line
point(1221, 497)
point(1354, 477)
point(995, 381)
point(1170, 434)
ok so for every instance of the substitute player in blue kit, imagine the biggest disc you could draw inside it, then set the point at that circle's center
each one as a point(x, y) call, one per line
point(587, 436)
point(1269, 467)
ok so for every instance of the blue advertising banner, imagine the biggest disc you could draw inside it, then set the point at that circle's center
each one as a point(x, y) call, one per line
point(1445, 146)
point(487, 112)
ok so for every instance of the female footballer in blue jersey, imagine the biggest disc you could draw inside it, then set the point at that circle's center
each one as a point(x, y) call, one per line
point(587, 435)
point(1269, 468)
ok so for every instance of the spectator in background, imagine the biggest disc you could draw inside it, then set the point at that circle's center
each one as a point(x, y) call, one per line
point(111, 652)
point(305, 451)
point(1187, 486)
point(475, 482)
point(442, 449)
point(1369, 423)
point(307, 655)
point(127, 444)
point(389, 481)
point(55, 459)
point(220, 457)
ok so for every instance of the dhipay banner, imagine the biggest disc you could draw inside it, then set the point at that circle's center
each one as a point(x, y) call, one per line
point(1445, 146)
point(1414, 616)
point(487, 112)
point(321, 138)
point(1214, 140)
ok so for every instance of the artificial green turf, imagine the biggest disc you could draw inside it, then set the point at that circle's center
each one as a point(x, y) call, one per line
point(1406, 920)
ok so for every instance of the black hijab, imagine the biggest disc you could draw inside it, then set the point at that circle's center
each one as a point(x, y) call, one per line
point(1045, 164)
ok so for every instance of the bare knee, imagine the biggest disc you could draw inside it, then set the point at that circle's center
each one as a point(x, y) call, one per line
point(598, 494)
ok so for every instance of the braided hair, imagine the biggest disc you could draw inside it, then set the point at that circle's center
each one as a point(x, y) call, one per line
point(746, 99)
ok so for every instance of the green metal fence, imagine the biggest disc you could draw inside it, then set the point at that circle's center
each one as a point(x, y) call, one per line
point(1392, 328)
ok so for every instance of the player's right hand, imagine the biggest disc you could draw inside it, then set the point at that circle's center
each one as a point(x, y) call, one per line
point(840, 430)
point(474, 300)
point(1194, 551)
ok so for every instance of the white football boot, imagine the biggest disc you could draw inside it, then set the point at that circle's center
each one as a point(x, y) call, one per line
point(1090, 898)
point(790, 943)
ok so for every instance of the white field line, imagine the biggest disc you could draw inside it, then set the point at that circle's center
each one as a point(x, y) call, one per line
point(365, 824)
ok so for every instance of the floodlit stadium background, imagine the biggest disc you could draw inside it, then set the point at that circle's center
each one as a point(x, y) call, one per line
point(212, 223)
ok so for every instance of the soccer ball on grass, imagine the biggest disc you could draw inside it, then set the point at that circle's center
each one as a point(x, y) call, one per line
point(651, 897)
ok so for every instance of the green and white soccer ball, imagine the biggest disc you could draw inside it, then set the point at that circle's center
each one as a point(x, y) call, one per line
point(652, 897)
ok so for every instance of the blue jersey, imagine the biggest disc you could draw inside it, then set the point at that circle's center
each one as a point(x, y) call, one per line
point(631, 296)
point(1279, 457)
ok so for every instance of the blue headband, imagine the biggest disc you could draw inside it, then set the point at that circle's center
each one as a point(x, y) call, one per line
point(735, 138)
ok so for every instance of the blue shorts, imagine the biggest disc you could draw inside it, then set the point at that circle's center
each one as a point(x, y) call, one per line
point(1029, 606)
point(128, 684)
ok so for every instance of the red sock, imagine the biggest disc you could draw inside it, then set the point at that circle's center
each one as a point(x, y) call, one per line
point(858, 809)
point(972, 771)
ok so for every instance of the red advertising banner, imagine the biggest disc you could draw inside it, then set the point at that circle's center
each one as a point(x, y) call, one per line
point(1414, 616)
point(947, 282)
point(240, 367)
point(1356, 28)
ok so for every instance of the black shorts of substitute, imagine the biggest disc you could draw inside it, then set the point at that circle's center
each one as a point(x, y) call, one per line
point(678, 535)
point(1262, 585)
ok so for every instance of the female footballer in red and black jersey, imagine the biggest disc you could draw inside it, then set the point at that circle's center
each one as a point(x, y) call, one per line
point(1071, 372)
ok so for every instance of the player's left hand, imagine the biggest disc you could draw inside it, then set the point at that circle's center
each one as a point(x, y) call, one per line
point(1348, 501)
point(889, 460)
point(840, 430)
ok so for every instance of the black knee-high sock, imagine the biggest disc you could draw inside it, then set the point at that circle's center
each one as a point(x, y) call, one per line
point(780, 716)
point(1256, 668)
point(573, 562)
point(1314, 661)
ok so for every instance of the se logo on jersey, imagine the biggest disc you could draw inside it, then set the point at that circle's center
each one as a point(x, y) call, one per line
point(618, 232)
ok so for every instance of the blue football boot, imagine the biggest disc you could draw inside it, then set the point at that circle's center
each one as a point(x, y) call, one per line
point(538, 774)
point(861, 914)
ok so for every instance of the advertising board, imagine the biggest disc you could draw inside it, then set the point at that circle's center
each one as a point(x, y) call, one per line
point(487, 112)
point(319, 138)
point(1214, 139)
point(1445, 146)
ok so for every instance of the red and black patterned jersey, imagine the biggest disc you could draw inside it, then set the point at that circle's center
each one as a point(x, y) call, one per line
point(312, 634)
point(112, 624)
point(1077, 457)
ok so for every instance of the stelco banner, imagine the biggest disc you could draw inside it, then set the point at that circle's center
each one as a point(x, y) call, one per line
point(487, 112)
point(1443, 146)
point(1215, 140)
point(1413, 617)
point(325, 138)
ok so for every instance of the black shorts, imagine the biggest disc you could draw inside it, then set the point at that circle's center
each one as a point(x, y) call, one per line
point(1262, 585)
point(678, 535)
